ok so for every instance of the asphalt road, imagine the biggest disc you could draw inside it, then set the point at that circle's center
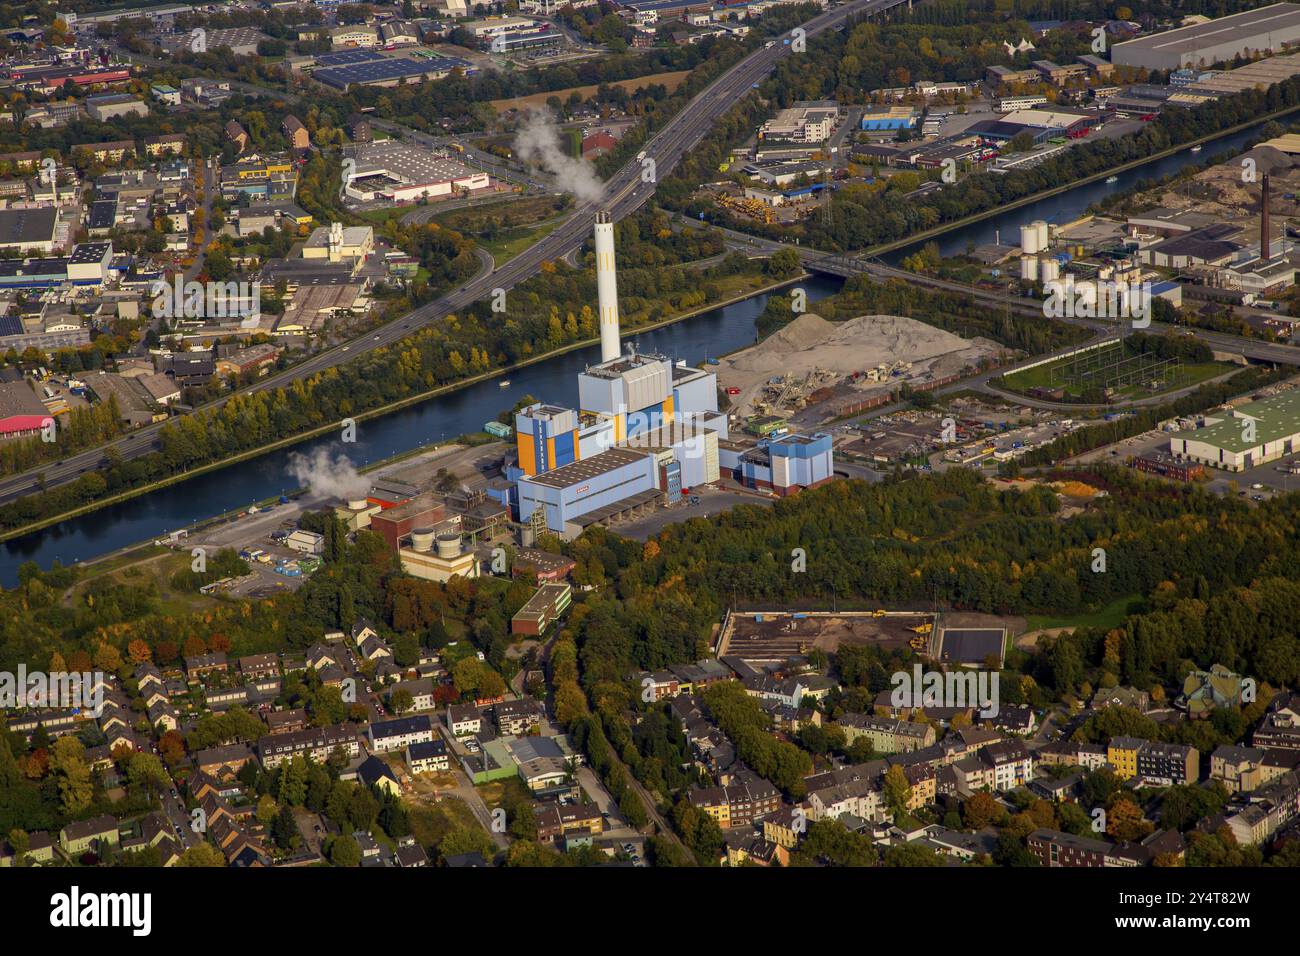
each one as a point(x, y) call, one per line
point(624, 193)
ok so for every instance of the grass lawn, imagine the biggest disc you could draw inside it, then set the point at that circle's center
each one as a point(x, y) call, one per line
point(1112, 615)
point(380, 216)
point(509, 243)
point(156, 565)
point(1189, 374)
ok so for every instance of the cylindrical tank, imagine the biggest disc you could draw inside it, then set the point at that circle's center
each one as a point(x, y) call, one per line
point(1029, 241)
point(1040, 233)
point(422, 539)
point(1049, 269)
point(1029, 268)
point(606, 287)
point(448, 545)
point(357, 504)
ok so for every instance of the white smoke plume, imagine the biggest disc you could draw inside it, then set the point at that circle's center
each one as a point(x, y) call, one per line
point(327, 476)
point(538, 141)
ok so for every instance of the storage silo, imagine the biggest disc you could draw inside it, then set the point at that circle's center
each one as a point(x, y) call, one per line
point(1029, 244)
point(449, 545)
point(1029, 268)
point(1041, 234)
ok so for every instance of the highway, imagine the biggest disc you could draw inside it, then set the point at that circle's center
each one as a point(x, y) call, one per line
point(624, 193)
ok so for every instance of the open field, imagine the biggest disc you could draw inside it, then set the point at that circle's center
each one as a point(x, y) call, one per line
point(1112, 615)
point(1095, 370)
point(669, 80)
point(139, 572)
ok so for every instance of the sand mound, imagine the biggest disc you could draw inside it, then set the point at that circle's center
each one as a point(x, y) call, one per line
point(845, 347)
point(810, 342)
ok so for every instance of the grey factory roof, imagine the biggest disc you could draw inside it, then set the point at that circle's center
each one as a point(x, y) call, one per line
point(1238, 28)
point(586, 469)
point(20, 226)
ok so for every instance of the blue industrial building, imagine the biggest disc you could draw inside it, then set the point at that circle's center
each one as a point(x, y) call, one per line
point(893, 119)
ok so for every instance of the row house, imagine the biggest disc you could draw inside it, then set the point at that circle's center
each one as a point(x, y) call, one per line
point(1159, 763)
point(55, 720)
point(1165, 764)
point(859, 797)
point(1068, 753)
point(556, 822)
point(200, 664)
point(223, 762)
point(517, 717)
point(1271, 807)
point(1055, 848)
point(740, 803)
point(223, 698)
point(163, 714)
point(464, 720)
point(88, 836)
point(389, 735)
point(316, 744)
point(1280, 728)
point(259, 665)
point(420, 691)
point(887, 734)
point(286, 721)
point(1243, 769)
point(790, 691)
point(429, 756)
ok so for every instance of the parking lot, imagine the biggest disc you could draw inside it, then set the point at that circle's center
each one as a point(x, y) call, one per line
point(711, 500)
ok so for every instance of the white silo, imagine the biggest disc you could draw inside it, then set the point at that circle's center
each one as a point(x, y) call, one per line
point(606, 287)
point(1040, 233)
point(1029, 268)
point(448, 545)
point(1049, 269)
point(1029, 245)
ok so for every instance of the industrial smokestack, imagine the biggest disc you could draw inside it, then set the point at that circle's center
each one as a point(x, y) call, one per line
point(606, 287)
point(1264, 250)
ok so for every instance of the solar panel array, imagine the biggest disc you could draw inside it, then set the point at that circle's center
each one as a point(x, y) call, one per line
point(377, 68)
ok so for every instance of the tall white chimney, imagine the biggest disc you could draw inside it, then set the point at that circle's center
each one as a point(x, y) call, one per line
point(606, 287)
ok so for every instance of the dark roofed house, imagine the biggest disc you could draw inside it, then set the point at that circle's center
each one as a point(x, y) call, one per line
point(295, 132)
point(237, 135)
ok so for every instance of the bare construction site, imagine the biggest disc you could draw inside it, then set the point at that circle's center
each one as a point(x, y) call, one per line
point(811, 358)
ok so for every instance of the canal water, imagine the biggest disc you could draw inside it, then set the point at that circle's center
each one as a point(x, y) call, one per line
point(708, 334)
point(711, 333)
point(1068, 206)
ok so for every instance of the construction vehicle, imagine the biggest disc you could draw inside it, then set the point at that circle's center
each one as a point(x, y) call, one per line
point(879, 612)
point(925, 628)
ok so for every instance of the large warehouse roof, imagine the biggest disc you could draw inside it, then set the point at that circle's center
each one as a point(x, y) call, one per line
point(1266, 28)
point(1275, 418)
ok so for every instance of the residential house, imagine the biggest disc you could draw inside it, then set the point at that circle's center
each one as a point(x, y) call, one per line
point(87, 836)
point(389, 735)
point(428, 757)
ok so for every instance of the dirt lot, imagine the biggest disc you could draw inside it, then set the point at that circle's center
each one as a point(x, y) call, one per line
point(780, 636)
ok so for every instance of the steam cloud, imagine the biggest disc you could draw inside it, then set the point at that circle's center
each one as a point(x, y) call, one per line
point(328, 476)
point(539, 141)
